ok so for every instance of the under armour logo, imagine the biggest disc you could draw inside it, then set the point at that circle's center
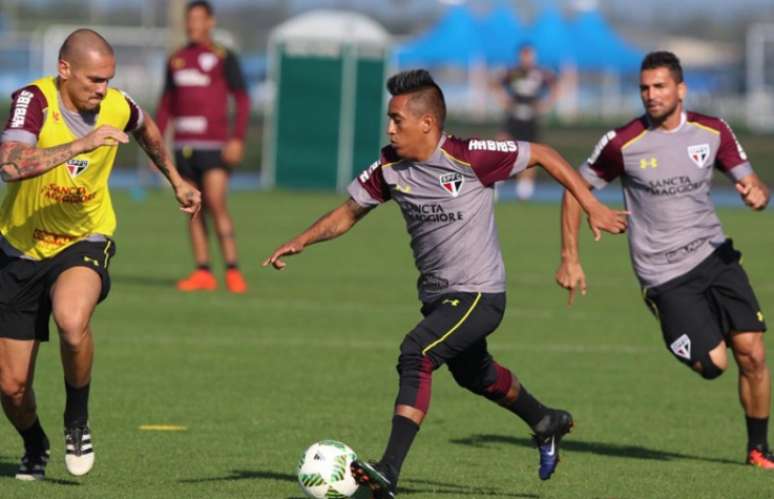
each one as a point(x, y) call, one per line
point(451, 302)
point(91, 261)
point(645, 163)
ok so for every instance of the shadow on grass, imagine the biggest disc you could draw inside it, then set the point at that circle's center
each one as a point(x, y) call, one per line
point(9, 466)
point(599, 448)
point(143, 280)
point(417, 487)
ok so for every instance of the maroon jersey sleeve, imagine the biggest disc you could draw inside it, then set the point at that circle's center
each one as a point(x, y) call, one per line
point(491, 160)
point(165, 103)
point(369, 188)
point(236, 84)
point(27, 114)
point(730, 158)
point(730, 152)
point(136, 117)
point(606, 161)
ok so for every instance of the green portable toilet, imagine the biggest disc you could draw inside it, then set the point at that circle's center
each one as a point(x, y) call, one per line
point(326, 119)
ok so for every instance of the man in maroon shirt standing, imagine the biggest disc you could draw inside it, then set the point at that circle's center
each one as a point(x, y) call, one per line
point(200, 77)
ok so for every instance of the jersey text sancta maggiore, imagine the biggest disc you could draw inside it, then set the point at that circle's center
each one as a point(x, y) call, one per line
point(447, 202)
point(666, 178)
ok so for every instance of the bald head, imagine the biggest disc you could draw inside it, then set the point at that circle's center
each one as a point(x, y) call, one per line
point(86, 65)
point(81, 43)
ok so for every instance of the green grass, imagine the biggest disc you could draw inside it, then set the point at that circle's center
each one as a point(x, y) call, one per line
point(310, 352)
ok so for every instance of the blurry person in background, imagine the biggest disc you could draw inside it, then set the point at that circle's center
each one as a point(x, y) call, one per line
point(200, 78)
point(527, 91)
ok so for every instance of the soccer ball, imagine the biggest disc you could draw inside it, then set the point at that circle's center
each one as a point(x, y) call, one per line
point(324, 473)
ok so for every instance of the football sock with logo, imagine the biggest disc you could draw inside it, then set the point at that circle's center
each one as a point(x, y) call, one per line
point(401, 437)
point(527, 407)
point(77, 406)
point(203, 266)
point(757, 432)
point(34, 437)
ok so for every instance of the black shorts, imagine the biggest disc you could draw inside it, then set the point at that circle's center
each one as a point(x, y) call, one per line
point(456, 322)
point(526, 131)
point(706, 305)
point(25, 301)
point(193, 163)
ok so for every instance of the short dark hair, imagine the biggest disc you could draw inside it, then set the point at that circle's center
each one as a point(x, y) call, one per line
point(426, 90)
point(204, 4)
point(664, 59)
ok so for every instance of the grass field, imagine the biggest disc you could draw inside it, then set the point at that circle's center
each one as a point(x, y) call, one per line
point(309, 354)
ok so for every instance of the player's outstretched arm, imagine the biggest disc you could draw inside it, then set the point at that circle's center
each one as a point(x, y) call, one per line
point(19, 161)
point(150, 139)
point(329, 226)
point(600, 217)
point(570, 273)
point(754, 192)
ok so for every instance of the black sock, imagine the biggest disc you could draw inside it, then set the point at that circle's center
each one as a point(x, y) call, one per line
point(528, 407)
point(401, 437)
point(232, 266)
point(203, 266)
point(34, 437)
point(77, 406)
point(757, 432)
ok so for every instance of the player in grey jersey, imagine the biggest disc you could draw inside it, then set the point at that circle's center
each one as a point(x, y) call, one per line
point(688, 269)
point(444, 187)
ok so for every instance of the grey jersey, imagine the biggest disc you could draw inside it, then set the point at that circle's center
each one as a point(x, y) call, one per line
point(447, 202)
point(666, 177)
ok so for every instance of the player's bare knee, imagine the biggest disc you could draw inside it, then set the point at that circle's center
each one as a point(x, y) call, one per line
point(14, 390)
point(753, 364)
point(73, 330)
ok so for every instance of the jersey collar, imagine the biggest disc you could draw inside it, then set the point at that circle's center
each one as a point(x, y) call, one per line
point(683, 121)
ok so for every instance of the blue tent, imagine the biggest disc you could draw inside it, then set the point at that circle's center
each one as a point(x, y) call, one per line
point(501, 33)
point(552, 39)
point(599, 48)
point(454, 41)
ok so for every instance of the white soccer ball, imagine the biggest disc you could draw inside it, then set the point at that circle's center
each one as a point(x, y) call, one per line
point(324, 473)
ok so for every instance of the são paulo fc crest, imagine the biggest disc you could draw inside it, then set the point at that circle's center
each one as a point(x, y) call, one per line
point(699, 154)
point(682, 347)
point(452, 183)
point(207, 61)
point(76, 166)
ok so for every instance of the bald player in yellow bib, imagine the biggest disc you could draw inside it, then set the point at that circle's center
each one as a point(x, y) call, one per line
point(56, 226)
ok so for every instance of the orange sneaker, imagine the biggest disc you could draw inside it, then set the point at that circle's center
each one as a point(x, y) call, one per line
point(199, 280)
point(761, 458)
point(235, 281)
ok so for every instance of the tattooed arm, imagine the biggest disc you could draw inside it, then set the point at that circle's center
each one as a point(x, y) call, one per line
point(329, 226)
point(19, 161)
point(152, 142)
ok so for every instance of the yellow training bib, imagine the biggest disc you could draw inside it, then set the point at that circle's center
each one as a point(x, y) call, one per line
point(43, 215)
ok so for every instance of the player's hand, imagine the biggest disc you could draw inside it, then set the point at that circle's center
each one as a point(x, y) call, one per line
point(104, 135)
point(571, 277)
point(233, 152)
point(189, 197)
point(601, 218)
point(293, 247)
point(754, 193)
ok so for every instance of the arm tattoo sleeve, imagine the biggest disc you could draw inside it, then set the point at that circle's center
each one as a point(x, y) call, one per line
point(153, 146)
point(19, 161)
